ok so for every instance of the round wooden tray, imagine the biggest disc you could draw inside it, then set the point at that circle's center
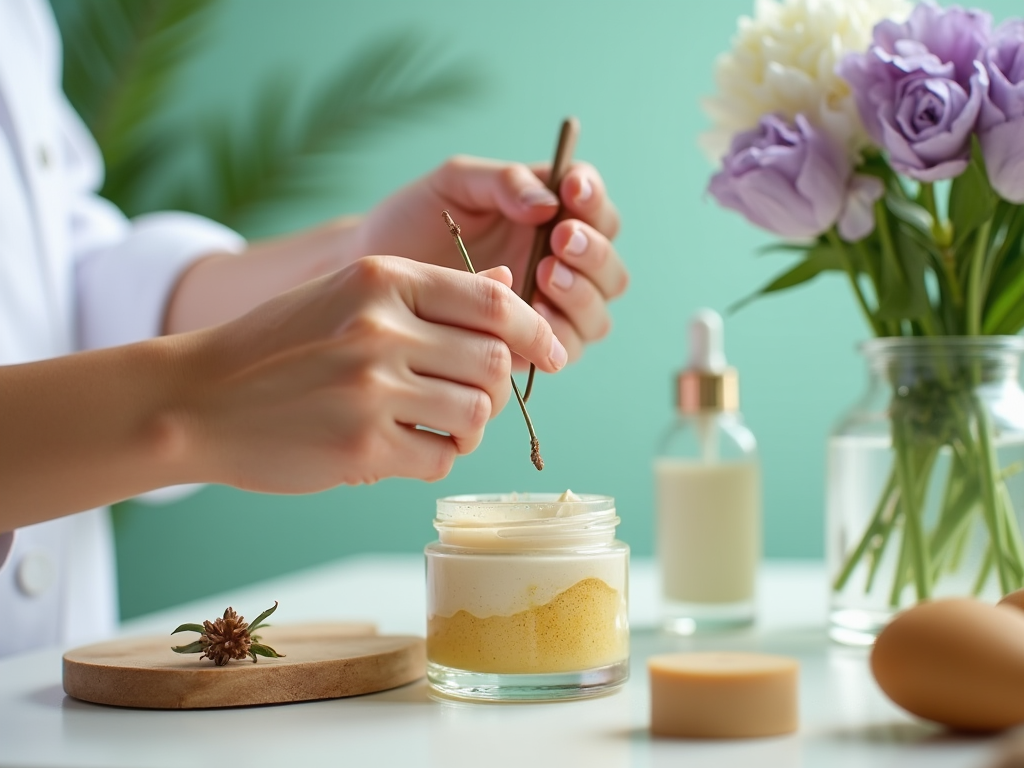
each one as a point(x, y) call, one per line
point(322, 661)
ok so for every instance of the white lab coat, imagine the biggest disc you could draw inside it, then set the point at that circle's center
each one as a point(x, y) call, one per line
point(74, 274)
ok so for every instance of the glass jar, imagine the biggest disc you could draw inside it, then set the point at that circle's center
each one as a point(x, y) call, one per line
point(925, 489)
point(708, 502)
point(526, 597)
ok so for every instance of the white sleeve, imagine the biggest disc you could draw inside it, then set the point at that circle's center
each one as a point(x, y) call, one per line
point(125, 270)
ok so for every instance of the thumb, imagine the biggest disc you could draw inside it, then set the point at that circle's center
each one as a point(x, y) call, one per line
point(483, 186)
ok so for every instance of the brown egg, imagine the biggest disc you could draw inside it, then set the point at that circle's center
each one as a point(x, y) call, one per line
point(959, 662)
point(1013, 600)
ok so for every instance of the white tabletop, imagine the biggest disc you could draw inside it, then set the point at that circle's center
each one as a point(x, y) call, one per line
point(845, 720)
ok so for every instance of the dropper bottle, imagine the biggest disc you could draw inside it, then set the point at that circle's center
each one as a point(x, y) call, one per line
point(708, 494)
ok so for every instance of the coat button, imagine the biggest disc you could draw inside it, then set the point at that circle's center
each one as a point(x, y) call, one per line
point(44, 156)
point(36, 573)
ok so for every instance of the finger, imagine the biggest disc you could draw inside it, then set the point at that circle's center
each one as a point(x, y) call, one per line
point(467, 357)
point(420, 455)
point(585, 197)
point(563, 329)
point(500, 273)
point(477, 186)
point(442, 405)
point(478, 303)
point(590, 253)
point(575, 297)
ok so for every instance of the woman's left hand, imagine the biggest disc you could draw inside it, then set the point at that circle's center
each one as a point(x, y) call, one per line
point(498, 205)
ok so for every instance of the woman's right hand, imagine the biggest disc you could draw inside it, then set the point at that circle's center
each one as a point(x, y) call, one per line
point(327, 384)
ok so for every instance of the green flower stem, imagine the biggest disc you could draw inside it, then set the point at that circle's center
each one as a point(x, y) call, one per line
point(1013, 574)
point(888, 248)
point(911, 500)
point(957, 500)
point(956, 291)
point(873, 528)
point(876, 282)
point(975, 281)
point(885, 234)
point(1013, 532)
point(959, 547)
point(1014, 223)
point(989, 478)
point(986, 569)
point(884, 537)
point(1002, 224)
point(899, 578)
point(836, 242)
point(927, 201)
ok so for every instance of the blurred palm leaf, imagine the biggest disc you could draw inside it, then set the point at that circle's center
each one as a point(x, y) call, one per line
point(285, 153)
point(123, 59)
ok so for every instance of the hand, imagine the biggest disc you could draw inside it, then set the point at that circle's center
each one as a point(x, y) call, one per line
point(326, 384)
point(498, 205)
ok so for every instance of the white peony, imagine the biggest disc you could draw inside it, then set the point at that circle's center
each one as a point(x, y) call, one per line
point(783, 61)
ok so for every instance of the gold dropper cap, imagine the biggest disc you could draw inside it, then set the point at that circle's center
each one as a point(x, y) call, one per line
point(707, 385)
point(703, 392)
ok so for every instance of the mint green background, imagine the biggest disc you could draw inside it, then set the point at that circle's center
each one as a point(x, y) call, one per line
point(633, 73)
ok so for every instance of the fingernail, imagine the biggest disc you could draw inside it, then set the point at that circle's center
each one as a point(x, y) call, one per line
point(586, 190)
point(535, 196)
point(577, 243)
point(558, 354)
point(562, 277)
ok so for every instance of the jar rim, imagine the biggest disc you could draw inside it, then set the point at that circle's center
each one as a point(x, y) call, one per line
point(515, 519)
point(928, 345)
point(508, 508)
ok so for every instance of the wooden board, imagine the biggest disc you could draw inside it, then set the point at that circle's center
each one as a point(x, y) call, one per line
point(322, 661)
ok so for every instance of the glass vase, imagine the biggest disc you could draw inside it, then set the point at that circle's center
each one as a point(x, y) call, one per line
point(925, 486)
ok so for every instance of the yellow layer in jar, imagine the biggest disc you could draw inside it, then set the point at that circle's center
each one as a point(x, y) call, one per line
point(581, 628)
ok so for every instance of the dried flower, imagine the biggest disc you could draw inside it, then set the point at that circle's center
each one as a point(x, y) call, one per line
point(229, 637)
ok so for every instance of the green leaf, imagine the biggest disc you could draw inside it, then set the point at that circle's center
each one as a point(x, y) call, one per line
point(783, 248)
point(190, 628)
point(121, 61)
point(910, 213)
point(903, 294)
point(1004, 304)
point(819, 258)
point(195, 647)
point(1011, 324)
point(265, 650)
point(971, 199)
point(256, 624)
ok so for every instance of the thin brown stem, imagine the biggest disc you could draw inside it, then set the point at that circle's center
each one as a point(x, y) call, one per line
point(535, 456)
point(559, 166)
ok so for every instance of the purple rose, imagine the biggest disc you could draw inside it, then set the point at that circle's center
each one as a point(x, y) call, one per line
point(792, 180)
point(1001, 126)
point(955, 36)
point(919, 88)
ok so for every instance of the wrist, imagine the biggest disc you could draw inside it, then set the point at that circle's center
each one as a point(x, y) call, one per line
point(171, 437)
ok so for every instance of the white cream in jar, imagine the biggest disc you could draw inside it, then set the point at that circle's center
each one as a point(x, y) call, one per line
point(526, 585)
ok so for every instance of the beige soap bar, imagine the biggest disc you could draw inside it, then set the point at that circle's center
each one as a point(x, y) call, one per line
point(723, 695)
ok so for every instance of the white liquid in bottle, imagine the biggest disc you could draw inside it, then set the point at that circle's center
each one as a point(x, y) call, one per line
point(708, 491)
